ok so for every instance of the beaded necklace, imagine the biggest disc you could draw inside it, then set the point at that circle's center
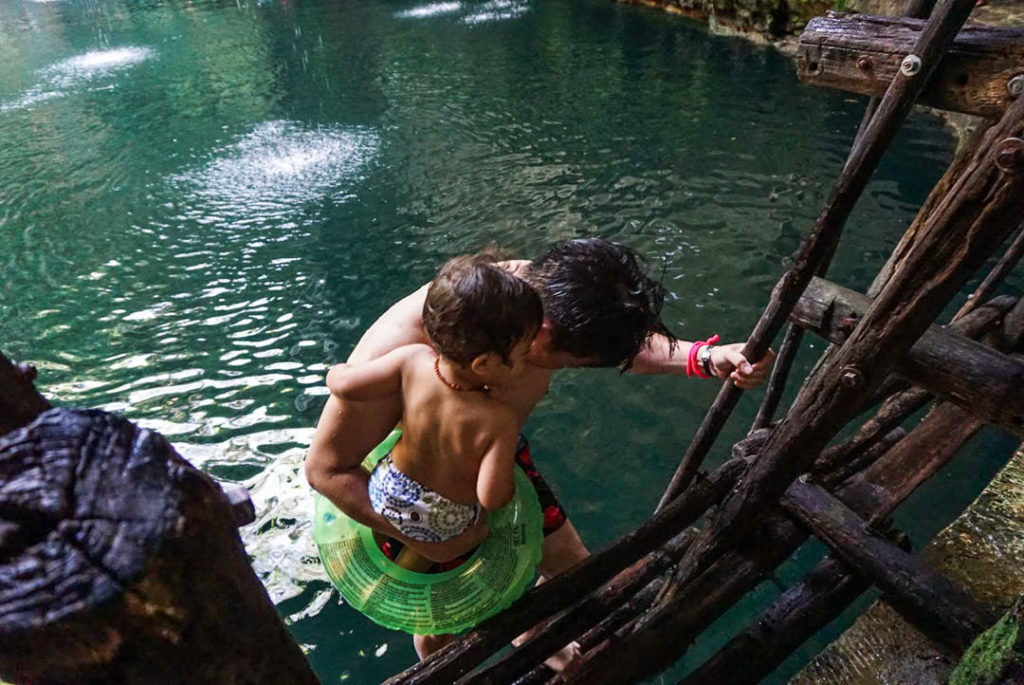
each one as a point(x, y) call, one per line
point(455, 386)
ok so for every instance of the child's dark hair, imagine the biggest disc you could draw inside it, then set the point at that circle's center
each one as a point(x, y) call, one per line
point(598, 300)
point(474, 307)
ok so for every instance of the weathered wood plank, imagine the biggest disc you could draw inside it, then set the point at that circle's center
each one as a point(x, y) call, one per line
point(988, 383)
point(811, 604)
point(862, 54)
point(793, 618)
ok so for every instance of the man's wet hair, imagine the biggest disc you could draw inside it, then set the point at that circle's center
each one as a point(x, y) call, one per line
point(474, 307)
point(599, 300)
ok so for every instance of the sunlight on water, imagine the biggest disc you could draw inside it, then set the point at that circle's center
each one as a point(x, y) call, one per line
point(496, 11)
point(431, 10)
point(279, 165)
point(59, 78)
point(99, 62)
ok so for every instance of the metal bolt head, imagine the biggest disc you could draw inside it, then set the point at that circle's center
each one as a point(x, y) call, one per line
point(864, 63)
point(911, 65)
point(1010, 154)
point(851, 377)
point(1015, 86)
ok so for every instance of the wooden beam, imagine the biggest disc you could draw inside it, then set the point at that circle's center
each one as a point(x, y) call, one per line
point(587, 613)
point(818, 599)
point(938, 607)
point(790, 621)
point(988, 383)
point(862, 54)
point(120, 562)
point(739, 570)
point(907, 464)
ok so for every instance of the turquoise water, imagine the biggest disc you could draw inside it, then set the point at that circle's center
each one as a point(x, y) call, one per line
point(203, 204)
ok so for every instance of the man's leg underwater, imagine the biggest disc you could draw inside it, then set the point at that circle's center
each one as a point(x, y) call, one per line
point(561, 549)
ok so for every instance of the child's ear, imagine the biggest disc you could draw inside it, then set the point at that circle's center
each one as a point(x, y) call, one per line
point(482, 363)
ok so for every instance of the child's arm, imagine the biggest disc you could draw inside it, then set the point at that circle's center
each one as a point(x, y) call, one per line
point(494, 484)
point(374, 379)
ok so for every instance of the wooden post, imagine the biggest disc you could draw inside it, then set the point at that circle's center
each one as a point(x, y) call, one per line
point(120, 562)
point(985, 206)
point(876, 493)
point(793, 618)
point(591, 610)
point(994, 277)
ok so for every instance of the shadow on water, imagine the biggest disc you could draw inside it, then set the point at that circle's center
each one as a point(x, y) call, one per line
point(204, 204)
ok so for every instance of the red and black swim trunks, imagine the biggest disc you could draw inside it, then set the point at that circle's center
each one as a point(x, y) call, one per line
point(554, 515)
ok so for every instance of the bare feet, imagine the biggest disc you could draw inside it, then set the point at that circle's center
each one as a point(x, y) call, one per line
point(565, 660)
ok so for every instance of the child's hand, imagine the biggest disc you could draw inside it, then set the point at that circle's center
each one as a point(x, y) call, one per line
point(457, 546)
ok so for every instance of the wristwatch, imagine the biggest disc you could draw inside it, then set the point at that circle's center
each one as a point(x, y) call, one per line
point(705, 360)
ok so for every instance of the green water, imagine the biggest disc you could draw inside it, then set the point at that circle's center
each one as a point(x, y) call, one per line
point(203, 204)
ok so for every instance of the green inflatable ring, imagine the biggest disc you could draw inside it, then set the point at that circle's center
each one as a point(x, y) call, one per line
point(497, 573)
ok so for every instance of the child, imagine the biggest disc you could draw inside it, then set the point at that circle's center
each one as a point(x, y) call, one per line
point(457, 450)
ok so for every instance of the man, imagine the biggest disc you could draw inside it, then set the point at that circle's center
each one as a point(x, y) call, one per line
point(600, 309)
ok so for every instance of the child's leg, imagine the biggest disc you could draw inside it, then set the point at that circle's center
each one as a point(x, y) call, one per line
point(428, 644)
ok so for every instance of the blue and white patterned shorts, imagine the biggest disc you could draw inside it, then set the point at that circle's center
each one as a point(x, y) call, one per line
point(414, 509)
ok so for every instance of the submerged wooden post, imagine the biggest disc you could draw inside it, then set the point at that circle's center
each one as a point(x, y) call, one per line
point(120, 562)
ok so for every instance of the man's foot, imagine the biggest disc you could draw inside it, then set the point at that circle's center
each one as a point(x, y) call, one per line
point(564, 660)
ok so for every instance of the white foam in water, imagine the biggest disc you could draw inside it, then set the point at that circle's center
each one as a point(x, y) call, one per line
point(431, 10)
point(278, 165)
point(496, 10)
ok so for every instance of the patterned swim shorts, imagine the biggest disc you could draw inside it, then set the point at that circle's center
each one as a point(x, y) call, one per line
point(554, 515)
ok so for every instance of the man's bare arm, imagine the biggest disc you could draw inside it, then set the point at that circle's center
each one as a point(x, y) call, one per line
point(727, 361)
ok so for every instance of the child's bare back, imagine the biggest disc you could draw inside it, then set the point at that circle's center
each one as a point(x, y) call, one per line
point(448, 434)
